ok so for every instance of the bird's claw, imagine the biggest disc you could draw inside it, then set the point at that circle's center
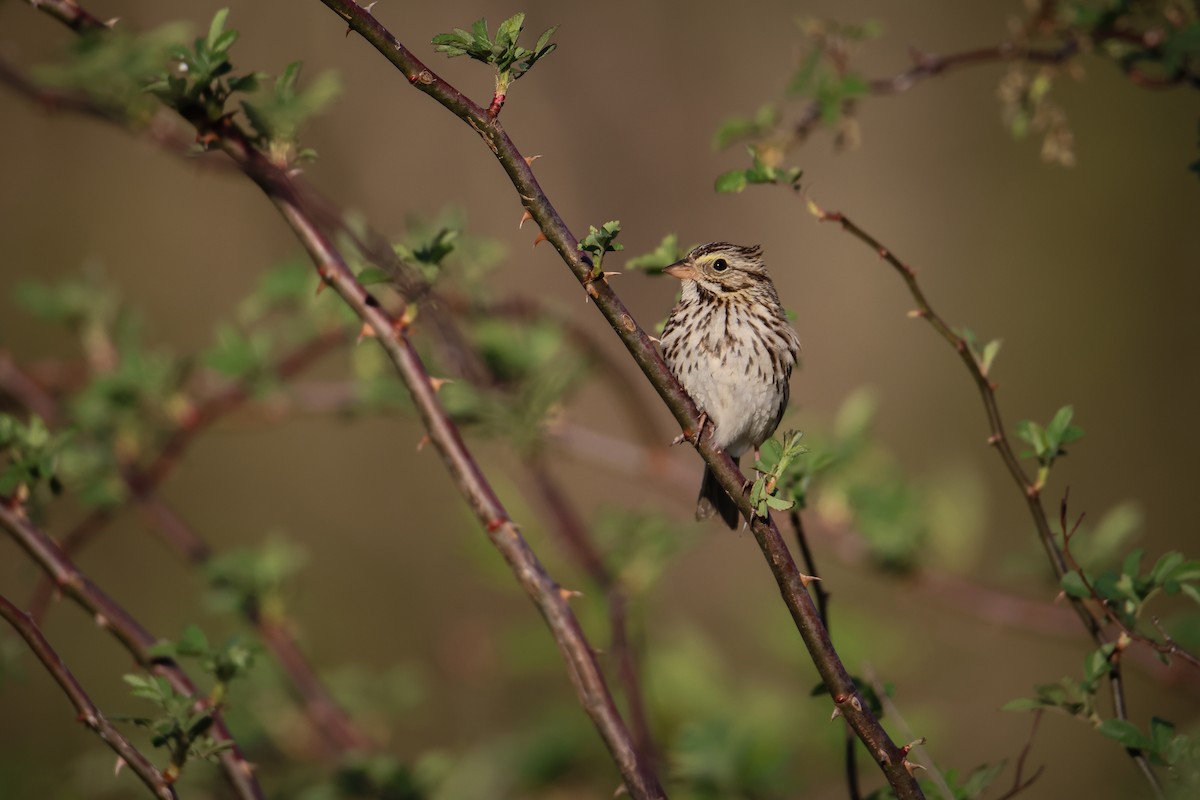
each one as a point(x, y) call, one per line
point(694, 437)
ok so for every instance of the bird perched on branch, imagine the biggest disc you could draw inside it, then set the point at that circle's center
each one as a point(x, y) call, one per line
point(730, 344)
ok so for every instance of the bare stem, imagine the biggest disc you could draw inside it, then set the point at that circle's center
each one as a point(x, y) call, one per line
point(136, 639)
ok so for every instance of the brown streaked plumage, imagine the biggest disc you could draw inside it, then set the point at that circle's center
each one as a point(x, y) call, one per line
point(729, 343)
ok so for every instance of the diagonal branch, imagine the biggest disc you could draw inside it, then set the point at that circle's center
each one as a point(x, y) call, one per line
point(88, 713)
point(998, 439)
point(136, 639)
point(889, 757)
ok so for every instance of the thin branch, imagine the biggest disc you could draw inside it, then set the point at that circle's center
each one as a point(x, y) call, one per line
point(999, 440)
point(25, 390)
point(136, 639)
point(888, 756)
point(574, 534)
point(89, 714)
point(1020, 783)
point(850, 754)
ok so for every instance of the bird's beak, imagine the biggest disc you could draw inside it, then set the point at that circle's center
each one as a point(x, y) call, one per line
point(682, 270)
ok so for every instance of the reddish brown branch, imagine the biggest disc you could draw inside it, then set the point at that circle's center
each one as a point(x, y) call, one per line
point(89, 714)
point(136, 639)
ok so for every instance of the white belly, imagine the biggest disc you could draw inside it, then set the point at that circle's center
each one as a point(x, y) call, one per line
point(743, 410)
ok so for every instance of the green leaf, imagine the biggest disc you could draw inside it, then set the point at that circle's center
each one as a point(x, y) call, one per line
point(1125, 732)
point(1072, 583)
point(1166, 565)
point(1022, 704)
point(192, 642)
point(802, 81)
point(733, 181)
point(373, 275)
point(1132, 565)
point(653, 263)
point(216, 27)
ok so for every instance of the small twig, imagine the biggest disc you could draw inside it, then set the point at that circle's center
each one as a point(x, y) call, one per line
point(1020, 784)
point(89, 714)
point(136, 639)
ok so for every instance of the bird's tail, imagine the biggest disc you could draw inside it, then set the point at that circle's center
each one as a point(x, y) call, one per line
point(715, 500)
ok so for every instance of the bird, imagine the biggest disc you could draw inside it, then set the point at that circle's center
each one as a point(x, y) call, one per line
point(730, 345)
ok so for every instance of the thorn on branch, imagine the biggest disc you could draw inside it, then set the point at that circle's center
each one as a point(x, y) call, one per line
point(424, 440)
point(541, 237)
point(438, 383)
point(530, 159)
point(525, 217)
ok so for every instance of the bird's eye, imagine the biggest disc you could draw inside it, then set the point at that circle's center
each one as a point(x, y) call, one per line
point(720, 265)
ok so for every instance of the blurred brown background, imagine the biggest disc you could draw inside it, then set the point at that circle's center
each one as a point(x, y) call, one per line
point(1089, 275)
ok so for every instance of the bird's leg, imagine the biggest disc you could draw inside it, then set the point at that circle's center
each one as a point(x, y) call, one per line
point(694, 438)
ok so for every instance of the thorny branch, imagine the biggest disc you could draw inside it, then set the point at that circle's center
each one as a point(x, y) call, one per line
point(1000, 441)
point(136, 639)
point(888, 756)
point(89, 714)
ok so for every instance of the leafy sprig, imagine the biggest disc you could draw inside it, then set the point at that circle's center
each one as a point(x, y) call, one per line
point(664, 255)
point(775, 457)
point(183, 723)
point(762, 169)
point(1049, 442)
point(600, 241)
point(29, 455)
point(510, 60)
